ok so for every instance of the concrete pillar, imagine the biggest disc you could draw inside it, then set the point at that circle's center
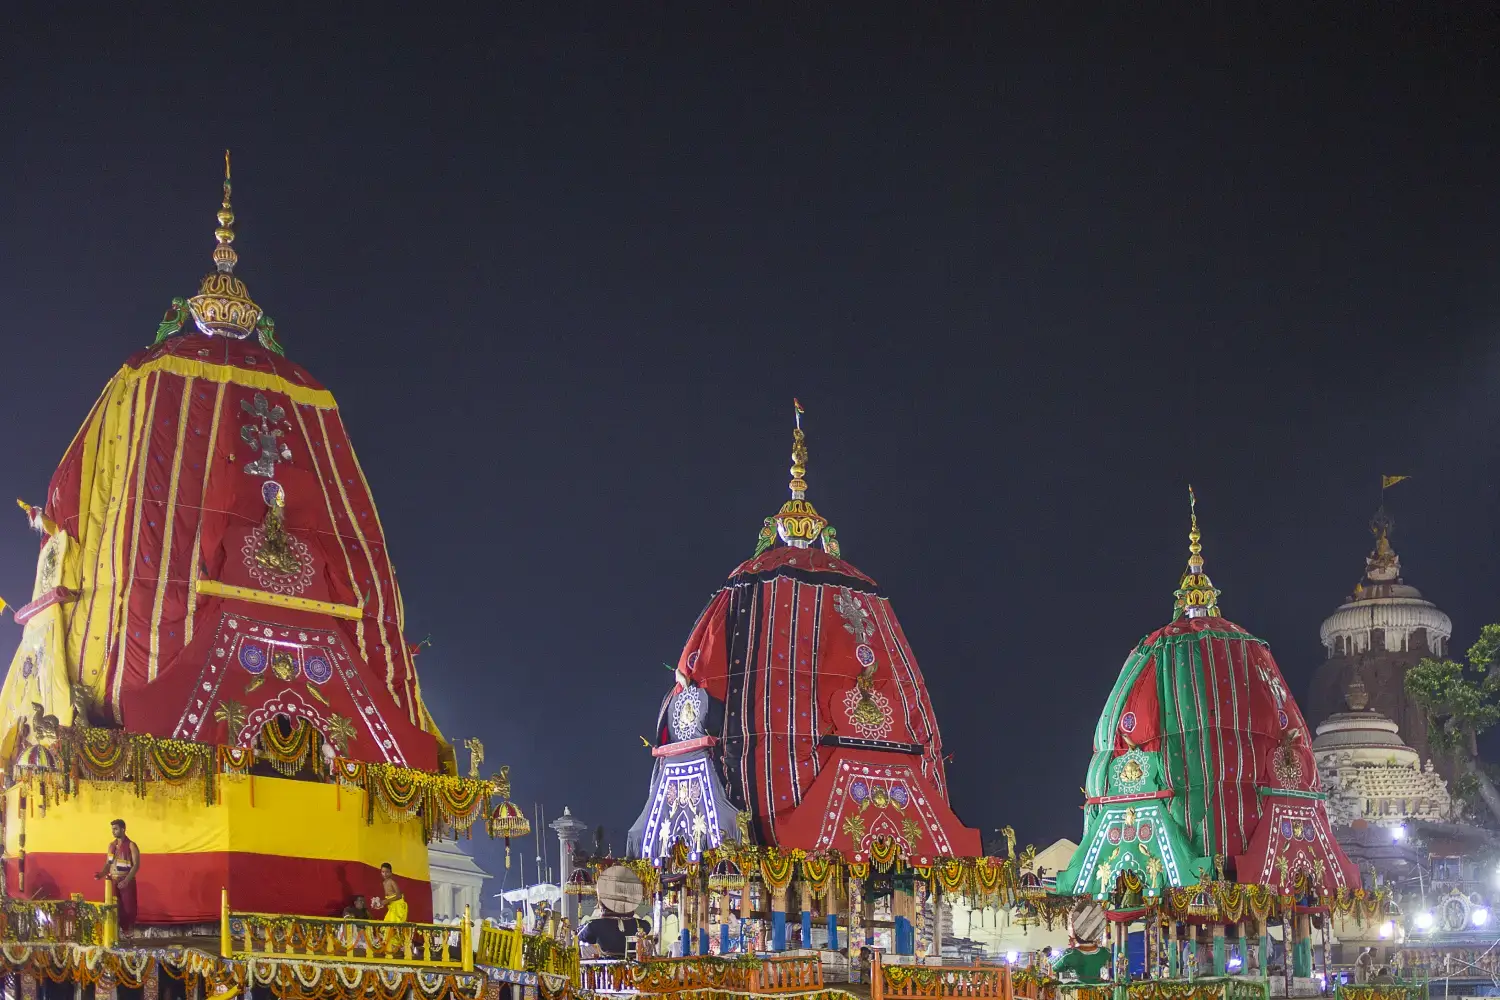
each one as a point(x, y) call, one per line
point(568, 831)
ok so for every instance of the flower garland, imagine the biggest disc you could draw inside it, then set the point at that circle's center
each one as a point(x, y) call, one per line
point(776, 869)
point(289, 753)
point(818, 873)
point(285, 980)
point(402, 794)
point(170, 767)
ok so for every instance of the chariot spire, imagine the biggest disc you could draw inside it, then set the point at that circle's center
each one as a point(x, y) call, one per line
point(1196, 596)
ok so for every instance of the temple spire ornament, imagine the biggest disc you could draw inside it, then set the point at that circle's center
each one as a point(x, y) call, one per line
point(224, 256)
point(1196, 596)
point(223, 306)
point(798, 523)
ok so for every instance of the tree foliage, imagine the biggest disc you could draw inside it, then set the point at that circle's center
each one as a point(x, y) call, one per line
point(1461, 701)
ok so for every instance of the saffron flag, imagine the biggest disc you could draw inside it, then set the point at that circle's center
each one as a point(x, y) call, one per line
point(3, 605)
point(1386, 482)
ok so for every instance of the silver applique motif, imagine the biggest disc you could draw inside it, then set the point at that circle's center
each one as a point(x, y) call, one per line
point(857, 621)
point(263, 436)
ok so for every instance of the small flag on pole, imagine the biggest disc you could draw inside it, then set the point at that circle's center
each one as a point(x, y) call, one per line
point(3, 605)
point(797, 404)
point(1386, 482)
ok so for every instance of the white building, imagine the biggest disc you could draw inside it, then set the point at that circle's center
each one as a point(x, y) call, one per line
point(457, 880)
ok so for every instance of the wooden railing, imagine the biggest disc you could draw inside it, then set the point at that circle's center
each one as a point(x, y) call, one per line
point(511, 948)
point(342, 939)
point(793, 974)
point(61, 921)
point(797, 974)
point(1402, 990)
point(931, 981)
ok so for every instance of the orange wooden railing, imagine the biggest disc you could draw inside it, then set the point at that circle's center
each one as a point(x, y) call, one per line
point(906, 982)
point(793, 974)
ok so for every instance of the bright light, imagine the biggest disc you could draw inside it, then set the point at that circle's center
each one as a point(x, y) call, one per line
point(1012, 956)
point(1479, 916)
point(1398, 833)
point(1387, 929)
point(1233, 963)
point(1424, 921)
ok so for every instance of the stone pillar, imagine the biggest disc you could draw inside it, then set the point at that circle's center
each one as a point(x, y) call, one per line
point(568, 830)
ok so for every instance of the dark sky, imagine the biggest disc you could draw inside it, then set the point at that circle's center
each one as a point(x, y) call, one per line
point(1030, 272)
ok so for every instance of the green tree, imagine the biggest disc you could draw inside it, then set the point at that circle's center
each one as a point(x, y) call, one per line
point(1461, 701)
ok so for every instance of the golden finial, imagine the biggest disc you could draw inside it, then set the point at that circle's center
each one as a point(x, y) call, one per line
point(798, 523)
point(223, 306)
point(1195, 596)
point(798, 484)
point(224, 256)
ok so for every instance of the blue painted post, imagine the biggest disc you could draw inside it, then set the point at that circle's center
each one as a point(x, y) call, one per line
point(703, 948)
point(903, 908)
point(778, 930)
point(806, 929)
point(687, 941)
point(723, 939)
point(833, 931)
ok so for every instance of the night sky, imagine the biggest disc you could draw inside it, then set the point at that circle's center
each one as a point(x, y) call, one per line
point(565, 267)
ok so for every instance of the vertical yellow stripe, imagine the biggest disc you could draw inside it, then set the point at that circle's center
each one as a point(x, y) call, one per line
point(142, 435)
point(166, 532)
point(93, 512)
point(107, 512)
point(359, 627)
point(208, 466)
point(390, 664)
point(406, 658)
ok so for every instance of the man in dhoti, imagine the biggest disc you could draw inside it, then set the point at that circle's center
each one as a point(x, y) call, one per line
point(391, 900)
point(121, 864)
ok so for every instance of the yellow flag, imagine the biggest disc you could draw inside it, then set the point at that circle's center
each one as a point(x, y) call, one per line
point(1386, 482)
point(3, 605)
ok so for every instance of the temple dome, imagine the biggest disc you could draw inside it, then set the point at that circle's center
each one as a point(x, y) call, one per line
point(1369, 772)
point(799, 710)
point(1384, 611)
point(1362, 729)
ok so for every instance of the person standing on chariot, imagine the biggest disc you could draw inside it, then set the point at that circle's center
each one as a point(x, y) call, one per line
point(391, 899)
point(121, 865)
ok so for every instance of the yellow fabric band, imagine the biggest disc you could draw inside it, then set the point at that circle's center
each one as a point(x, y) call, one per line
point(321, 398)
point(278, 817)
point(217, 589)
